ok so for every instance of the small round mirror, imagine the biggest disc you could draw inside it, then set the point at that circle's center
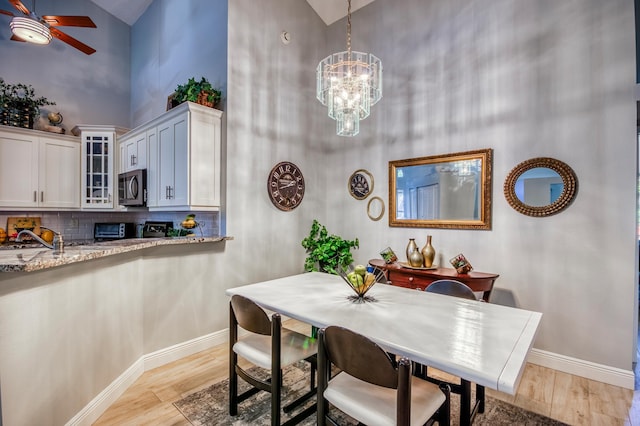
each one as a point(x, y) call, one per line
point(540, 187)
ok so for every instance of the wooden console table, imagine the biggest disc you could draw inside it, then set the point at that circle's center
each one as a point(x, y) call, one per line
point(421, 278)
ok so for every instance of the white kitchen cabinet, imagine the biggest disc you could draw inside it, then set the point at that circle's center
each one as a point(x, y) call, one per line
point(133, 150)
point(38, 169)
point(172, 158)
point(97, 171)
point(183, 168)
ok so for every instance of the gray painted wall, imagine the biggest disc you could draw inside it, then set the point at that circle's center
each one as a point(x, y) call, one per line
point(528, 79)
point(87, 89)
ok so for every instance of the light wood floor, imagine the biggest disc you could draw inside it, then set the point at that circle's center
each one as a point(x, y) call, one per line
point(568, 398)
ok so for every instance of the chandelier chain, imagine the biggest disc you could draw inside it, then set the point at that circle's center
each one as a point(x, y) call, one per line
point(349, 83)
point(349, 31)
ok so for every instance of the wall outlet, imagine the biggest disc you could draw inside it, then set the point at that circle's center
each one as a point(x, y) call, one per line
point(73, 223)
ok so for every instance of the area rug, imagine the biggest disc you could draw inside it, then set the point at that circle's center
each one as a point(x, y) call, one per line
point(209, 407)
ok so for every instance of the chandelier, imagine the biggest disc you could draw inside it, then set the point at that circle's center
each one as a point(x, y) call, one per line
point(30, 30)
point(349, 83)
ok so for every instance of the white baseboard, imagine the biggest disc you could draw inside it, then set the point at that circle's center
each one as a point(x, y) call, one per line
point(94, 409)
point(590, 370)
point(181, 350)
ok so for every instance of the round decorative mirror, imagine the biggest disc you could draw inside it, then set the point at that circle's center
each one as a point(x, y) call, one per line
point(540, 187)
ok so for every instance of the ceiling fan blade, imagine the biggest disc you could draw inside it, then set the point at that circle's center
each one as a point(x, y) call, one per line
point(68, 21)
point(14, 38)
point(72, 41)
point(6, 12)
point(18, 5)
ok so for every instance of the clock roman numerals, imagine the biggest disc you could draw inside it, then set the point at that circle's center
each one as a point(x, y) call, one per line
point(285, 186)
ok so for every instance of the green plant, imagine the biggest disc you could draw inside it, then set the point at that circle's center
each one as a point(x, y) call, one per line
point(327, 251)
point(21, 97)
point(191, 90)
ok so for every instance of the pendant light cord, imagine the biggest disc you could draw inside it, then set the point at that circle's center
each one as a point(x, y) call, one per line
point(349, 31)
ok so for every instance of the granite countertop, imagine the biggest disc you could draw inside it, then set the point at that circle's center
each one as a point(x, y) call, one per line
point(27, 257)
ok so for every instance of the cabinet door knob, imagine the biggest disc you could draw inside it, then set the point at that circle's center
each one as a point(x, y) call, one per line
point(410, 279)
point(41, 196)
point(35, 196)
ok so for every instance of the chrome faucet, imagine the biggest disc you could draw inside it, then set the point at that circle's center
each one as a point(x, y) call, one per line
point(57, 246)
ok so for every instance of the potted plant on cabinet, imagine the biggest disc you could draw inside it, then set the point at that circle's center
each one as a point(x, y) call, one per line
point(201, 92)
point(325, 252)
point(19, 105)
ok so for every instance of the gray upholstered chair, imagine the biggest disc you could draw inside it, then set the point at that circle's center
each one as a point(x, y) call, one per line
point(271, 347)
point(370, 387)
point(451, 288)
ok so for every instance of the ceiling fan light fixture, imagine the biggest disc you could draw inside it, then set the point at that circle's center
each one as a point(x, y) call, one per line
point(30, 30)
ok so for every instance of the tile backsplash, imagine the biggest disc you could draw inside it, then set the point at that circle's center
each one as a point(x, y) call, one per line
point(78, 225)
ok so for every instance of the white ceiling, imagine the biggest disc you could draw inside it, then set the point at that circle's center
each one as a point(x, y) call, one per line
point(127, 11)
point(130, 10)
point(333, 10)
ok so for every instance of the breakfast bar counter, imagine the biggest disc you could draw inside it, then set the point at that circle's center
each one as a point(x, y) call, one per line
point(28, 258)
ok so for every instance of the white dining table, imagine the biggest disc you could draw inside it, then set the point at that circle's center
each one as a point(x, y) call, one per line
point(480, 342)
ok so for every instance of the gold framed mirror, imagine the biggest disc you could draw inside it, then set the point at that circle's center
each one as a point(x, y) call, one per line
point(443, 191)
point(541, 187)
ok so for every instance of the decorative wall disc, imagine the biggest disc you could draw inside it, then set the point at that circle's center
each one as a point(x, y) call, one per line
point(360, 184)
point(285, 186)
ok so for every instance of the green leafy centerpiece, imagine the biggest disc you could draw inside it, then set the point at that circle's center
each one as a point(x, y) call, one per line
point(326, 252)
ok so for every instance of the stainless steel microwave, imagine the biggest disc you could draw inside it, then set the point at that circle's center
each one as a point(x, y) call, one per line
point(132, 188)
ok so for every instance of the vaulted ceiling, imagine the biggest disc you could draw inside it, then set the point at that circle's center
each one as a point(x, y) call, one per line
point(130, 10)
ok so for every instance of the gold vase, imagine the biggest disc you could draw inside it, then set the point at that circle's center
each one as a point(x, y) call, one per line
point(428, 253)
point(416, 260)
point(411, 247)
point(414, 257)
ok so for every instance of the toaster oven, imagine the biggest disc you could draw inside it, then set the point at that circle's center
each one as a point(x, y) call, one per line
point(114, 230)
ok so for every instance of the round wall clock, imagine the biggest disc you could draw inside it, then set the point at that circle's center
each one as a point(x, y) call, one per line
point(360, 184)
point(285, 186)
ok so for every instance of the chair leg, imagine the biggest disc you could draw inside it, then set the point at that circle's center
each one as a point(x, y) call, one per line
point(276, 371)
point(233, 361)
point(465, 403)
point(480, 398)
point(444, 415)
point(324, 369)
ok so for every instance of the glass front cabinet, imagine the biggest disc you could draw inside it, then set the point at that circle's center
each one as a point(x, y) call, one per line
point(98, 156)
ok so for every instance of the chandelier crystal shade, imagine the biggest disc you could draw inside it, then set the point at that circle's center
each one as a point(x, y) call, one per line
point(348, 84)
point(30, 30)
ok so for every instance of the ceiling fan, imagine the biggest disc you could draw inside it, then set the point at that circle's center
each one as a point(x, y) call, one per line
point(40, 29)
